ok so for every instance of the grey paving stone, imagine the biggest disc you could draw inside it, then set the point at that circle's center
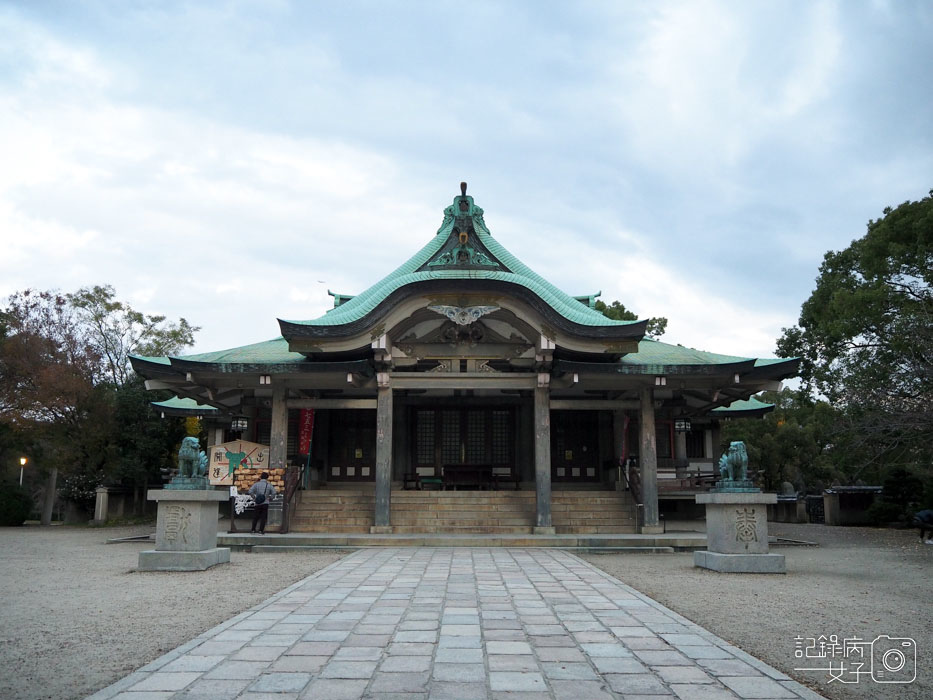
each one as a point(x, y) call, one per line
point(508, 647)
point(682, 674)
point(348, 669)
point(606, 649)
point(405, 664)
point(516, 681)
point(335, 689)
point(459, 673)
point(459, 656)
point(212, 648)
point(505, 635)
point(410, 649)
point(416, 636)
point(654, 643)
point(300, 664)
point(512, 662)
point(726, 667)
point(237, 670)
point(564, 641)
point(615, 664)
point(398, 683)
point(313, 649)
point(165, 681)
point(358, 654)
point(560, 654)
point(460, 643)
point(280, 682)
point(212, 690)
point(580, 690)
point(662, 658)
point(706, 652)
point(249, 653)
point(192, 663)
point(567, 671)
point(756, 687)
point(317, 635)
point(458, 691)
point(702, 692)
point(635, 684)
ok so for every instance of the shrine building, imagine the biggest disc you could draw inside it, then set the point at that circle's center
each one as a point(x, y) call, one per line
point(466, 380)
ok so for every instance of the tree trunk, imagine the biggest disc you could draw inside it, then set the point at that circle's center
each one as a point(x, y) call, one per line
point(49, 497)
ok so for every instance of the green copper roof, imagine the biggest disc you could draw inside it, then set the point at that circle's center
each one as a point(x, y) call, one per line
point(273, 351)
point(749, 407)
point(654, 352)
point(182, 406)
point(428, 264)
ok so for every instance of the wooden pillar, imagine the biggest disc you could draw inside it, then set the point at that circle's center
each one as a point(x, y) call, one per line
point(717, 444)
point(542, 423)
point(382, 521)
point(278, 429)
point(648, 456)
point(618, 447)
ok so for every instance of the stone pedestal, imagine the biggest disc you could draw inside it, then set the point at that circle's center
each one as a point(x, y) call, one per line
point(186, 531)
point(737, 534)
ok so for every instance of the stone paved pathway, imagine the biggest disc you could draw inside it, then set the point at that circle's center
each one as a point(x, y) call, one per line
point(461, 624)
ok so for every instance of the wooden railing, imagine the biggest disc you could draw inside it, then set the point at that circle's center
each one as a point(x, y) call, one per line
point(293, 476)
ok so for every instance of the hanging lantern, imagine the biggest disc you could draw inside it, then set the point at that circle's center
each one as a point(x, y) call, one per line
point(682, 425)
point(239, 424)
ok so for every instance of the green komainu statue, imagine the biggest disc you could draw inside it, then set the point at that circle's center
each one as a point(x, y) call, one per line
point(733, 465)
point(191, 459)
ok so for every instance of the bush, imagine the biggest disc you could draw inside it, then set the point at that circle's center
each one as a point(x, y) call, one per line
point(15, 505)
point(881, 513)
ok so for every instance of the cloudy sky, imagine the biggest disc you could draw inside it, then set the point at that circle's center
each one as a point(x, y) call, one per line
point(231, 161)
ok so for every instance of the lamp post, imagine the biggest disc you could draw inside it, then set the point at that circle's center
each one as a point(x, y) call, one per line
point(22, 464)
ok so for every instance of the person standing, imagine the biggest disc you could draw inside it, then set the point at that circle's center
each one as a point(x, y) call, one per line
point(261, 492)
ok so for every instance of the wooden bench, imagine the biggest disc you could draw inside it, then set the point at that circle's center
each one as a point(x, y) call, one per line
point(477, 476)
point(510, 478)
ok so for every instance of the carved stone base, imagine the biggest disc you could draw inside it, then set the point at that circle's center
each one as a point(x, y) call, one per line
point(186, 531)
point(741, 563)
point(380, 530)
point(737, 523)
point(544, 531)
point(154, 560)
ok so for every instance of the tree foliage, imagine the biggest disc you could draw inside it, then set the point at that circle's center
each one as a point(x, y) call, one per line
point(67, 392)
point(865, 337)
point(617, 311)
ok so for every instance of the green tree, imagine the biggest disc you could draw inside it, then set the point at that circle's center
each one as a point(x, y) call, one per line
point(794, 443)
point(114, 331)
point(617, 311)
point(865, 337)
point(67, 390)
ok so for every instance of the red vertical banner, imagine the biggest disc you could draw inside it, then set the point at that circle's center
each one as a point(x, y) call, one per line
point(305, 429)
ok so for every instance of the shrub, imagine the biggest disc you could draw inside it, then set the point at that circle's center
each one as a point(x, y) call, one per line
point(881, 513)
point(15, 505)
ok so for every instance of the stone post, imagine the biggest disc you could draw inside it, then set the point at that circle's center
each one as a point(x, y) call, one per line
point(383, 518)
point(542, 423)
point(648, 462)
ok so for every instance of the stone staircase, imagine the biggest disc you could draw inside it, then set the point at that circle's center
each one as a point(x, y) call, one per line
point(464, 512)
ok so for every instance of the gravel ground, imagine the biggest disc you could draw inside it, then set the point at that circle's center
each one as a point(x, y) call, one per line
point(76, 616)
point(860, 582)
